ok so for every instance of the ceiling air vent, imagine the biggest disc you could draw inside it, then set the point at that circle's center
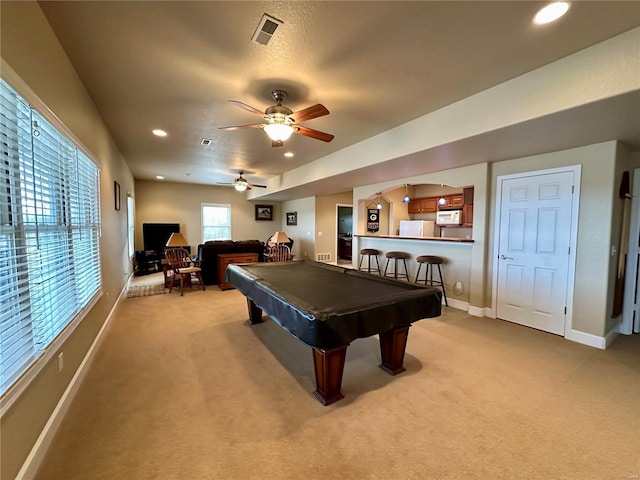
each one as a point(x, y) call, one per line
point(266, 29)
point(206, 142)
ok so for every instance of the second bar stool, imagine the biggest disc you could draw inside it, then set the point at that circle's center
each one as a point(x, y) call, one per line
point(430, 261)
point(370, 252)
point(395, 256)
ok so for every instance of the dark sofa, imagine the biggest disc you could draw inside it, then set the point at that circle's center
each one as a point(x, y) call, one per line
point(208, 255)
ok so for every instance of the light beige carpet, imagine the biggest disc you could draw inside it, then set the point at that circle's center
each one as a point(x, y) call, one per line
point(184, 388)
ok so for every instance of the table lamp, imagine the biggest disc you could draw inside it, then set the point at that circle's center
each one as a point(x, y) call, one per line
point(177, 240)
point(280, 237)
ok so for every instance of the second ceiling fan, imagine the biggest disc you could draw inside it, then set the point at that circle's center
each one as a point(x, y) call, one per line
point(241, 184)
point(282, 122)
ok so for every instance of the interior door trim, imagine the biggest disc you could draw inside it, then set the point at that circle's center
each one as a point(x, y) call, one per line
point(575, 208)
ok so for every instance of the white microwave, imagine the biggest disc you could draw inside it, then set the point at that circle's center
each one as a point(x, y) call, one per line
point(449, 217)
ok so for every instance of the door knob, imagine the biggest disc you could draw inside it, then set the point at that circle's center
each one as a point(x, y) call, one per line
point(504, 257)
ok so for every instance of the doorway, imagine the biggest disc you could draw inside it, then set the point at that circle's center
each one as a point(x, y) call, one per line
point(344, 230)
point(535, 248)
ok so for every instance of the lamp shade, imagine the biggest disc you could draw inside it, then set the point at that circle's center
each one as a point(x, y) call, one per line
point(177, 240)
point(278, 131)
point(280, 237)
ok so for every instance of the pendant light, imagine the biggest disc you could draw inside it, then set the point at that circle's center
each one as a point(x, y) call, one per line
point(442, 201)
point(406, 198)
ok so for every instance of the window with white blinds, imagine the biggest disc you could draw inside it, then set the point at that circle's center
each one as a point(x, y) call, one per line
point(49, 234)
point(216, 221)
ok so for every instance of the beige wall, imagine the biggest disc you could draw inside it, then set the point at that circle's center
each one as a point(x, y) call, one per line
point(327, 222)
point(159, 202)
point(303, 233)
point(41, 72)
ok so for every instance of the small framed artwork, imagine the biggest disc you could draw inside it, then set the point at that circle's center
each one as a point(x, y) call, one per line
point(116, 195)
point(292, 218)
point(264, 212)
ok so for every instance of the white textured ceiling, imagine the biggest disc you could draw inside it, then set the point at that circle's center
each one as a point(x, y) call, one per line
point(374, 65)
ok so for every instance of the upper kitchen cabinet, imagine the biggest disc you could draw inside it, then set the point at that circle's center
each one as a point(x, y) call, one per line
point(450, 201)
point(467, 207)
point(422, 205)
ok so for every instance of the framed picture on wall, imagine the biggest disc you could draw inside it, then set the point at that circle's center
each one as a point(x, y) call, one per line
point(292, 218)
point(264, 212)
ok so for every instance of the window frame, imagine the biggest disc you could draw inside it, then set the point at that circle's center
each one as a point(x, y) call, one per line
point(131, 208)
point(41, 358)
point(203, 226)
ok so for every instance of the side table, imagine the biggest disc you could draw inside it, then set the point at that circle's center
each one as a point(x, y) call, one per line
point(224, 259)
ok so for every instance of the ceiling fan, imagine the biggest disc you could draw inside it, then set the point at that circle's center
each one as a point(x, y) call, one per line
point(281, 121)
point(241, 184)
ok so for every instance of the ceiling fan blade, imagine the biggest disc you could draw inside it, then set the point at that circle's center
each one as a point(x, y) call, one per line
point(310, 132)
point(238, 127)
point(248, 108)
point(225, 184)
point(257, 186)
point(308, 113)
point(277, 143)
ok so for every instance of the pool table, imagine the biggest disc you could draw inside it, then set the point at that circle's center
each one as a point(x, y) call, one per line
point(327, 307)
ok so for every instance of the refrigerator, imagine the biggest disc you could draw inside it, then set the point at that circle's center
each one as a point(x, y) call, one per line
point(417, 228)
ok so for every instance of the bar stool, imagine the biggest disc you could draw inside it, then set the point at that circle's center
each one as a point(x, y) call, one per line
point(395, 256)
point(370, 252)
point(430, 261)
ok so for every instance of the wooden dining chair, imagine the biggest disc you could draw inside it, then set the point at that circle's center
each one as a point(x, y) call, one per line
point(180, 262)
point(279, 253)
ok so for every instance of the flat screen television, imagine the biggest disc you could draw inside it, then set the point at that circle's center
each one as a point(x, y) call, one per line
point(155, 235)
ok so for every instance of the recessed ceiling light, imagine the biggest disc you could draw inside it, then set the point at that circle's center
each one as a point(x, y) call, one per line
point(288, 154)
point(551, 12)
point(159, 133)
point(159, 177)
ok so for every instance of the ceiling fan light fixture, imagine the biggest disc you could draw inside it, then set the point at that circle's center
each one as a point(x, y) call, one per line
point(278, 130)
point(240, 187)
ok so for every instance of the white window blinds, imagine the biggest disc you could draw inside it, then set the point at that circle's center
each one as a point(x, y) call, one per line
point(49, 234)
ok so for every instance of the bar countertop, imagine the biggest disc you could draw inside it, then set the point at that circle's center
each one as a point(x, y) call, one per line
point(430, 239)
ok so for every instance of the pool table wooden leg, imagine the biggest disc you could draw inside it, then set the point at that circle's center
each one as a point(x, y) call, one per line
point(255, 312)
point(329, 365)
point(392, 346)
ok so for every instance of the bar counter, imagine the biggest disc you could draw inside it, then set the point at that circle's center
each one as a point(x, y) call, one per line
point(431, 239)
point(455, 251)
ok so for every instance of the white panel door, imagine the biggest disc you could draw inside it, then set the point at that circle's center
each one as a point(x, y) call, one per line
point(534, 239)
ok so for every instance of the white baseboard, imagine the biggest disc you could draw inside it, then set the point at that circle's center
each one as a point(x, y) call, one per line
point(473, 311)
point(476, 311)
point(37, 453)
point(587, 339)
point(459, 304)
point(611, 336)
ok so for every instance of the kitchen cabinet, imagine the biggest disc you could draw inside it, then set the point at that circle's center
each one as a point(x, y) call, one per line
point(423, 205)
point(467, 196)
point(467, 208)
point(450, 201)
point(467, 215)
